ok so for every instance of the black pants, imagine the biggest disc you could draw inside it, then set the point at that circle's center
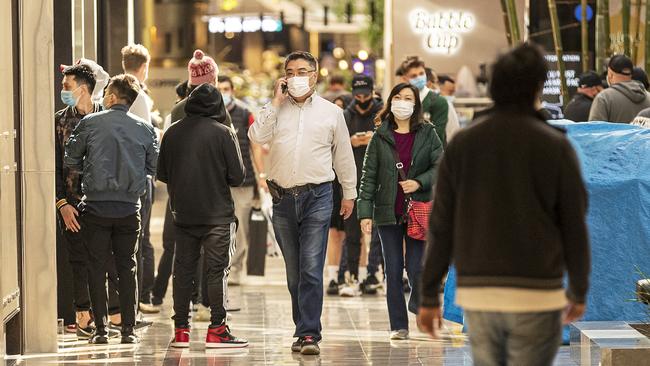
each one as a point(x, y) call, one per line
point(72, 274)
point(166, 262)
point(146, 261)
point(353, 243)
point(106, 240)
point(218, 243)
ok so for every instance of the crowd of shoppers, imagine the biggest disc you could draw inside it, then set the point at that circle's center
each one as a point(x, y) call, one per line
point(345, 172)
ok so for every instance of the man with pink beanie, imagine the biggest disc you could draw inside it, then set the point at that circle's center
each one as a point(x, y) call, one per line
point(201, 69)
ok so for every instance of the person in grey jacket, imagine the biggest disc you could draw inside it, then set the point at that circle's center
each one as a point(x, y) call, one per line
point(115, 151)
point(624, 99)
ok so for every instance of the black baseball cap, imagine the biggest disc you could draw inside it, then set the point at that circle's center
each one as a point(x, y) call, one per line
point(621, 64)
point(362, 84)
point(589, 79)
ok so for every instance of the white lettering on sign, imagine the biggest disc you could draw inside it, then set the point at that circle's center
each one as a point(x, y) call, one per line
point(442, 31)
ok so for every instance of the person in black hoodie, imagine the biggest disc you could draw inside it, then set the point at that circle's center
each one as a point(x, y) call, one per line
point(510, 213)
point(360, 118)
point(200, 160)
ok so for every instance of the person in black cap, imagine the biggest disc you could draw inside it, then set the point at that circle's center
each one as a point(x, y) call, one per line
point(359, 116)
point(624, 99)
point(578, 108)
point(641, 76)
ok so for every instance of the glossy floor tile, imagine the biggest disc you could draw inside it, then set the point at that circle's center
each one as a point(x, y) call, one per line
point(355, 332)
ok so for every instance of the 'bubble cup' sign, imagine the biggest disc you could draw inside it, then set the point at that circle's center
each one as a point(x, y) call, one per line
point(442, 30)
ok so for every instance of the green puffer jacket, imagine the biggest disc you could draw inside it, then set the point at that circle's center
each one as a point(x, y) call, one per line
point(378, 190)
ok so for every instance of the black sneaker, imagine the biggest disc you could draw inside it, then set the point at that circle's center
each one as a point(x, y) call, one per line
point(309, 346)
point(369, 285)
point(100, 336)
point(85, 333)
point(128, 337)
point(333, 288)
point(297, 345)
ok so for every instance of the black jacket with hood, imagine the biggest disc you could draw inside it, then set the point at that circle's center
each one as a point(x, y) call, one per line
point(200, 160)
point(358, 122)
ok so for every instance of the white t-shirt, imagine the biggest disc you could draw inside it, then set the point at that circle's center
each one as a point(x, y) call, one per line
point(142, 106)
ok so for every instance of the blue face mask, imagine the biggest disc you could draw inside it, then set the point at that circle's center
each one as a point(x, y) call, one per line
point(419, 81)
point(227, 99)
point(68, 98)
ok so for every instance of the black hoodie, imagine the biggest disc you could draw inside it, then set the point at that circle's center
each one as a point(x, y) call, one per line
point(358, 122)
point(200, 160)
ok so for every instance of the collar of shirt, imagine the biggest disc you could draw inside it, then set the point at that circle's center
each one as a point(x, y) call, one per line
point(308, 101)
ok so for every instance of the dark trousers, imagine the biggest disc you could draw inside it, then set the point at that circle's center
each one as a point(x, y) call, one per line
point(166, 262)
point(301, 223)
point(110, 239)
point(353, 243)
point(218, 244)
point(72, 274)
point(146, 261)
point(396, 259)
point(375, 257)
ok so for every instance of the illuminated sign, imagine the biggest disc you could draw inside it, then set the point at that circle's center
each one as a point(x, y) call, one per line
point(238, 24)
point(442, 30)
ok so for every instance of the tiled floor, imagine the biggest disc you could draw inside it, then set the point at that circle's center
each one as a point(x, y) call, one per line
point(354, 332)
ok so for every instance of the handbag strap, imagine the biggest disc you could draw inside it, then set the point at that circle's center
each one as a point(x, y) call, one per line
point(400, 169)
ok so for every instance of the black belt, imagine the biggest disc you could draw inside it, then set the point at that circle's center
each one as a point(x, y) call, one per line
point(296, 190)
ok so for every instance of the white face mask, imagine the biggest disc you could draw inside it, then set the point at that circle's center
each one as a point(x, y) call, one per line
point(298, 86)
point(402, 109)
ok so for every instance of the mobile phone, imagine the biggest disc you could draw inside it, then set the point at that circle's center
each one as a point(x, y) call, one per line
point(360, 134)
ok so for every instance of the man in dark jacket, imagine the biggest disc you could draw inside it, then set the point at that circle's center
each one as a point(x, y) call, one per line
point(360, 118)
point(510, 213)
point(200, 160)
point(115, 150)
point(578, 108)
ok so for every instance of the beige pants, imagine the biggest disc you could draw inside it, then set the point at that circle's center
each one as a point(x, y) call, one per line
point(243, 198)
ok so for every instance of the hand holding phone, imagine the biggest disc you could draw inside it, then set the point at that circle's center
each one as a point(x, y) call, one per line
point(280, 92)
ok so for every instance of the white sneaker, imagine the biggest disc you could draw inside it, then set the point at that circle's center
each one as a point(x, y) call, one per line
point(399, 335)
point(350, 289)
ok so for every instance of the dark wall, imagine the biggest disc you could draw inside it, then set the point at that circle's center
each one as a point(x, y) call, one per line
point(63, 42)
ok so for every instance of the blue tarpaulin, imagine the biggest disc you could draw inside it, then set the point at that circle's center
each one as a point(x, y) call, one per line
point(615, 160)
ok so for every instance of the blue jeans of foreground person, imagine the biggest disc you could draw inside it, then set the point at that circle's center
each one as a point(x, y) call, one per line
point(301, 223)
point(395, 260)
point(530, 339)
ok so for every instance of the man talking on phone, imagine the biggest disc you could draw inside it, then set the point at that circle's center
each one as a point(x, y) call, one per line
point(308, 137)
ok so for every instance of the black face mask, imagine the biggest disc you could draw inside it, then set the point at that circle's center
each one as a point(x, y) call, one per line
point(364, 105)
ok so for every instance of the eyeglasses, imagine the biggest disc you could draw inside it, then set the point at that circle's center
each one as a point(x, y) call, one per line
point(301, 72)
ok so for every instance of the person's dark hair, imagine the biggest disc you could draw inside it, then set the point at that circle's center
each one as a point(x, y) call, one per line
point(399, 72)
point(226, 79)
point(411, 62)
point(125, 87)
point(345, 99)
point(445, 78)
point(337, 80)
point(301, 55)
point(431, 76)
point(386, 115)
point(83, 74)
point(518, 76)
point(640, 75)
point(181, 89)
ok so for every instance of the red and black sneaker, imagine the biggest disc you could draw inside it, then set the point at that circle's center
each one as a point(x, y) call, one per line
point(182, 338)
point(220, 337)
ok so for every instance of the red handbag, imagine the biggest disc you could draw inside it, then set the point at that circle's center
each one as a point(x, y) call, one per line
point(417, 212)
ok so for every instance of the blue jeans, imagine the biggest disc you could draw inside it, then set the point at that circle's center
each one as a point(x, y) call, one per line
point(395, 260)
point(301, 223)
point(514, 338)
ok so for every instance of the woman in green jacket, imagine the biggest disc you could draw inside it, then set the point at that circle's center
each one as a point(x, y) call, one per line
point(382, 200)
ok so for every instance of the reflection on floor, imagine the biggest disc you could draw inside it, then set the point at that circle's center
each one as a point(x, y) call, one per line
point(355, 332)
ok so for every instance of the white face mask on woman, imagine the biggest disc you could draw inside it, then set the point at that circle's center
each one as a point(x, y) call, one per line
point(402, 109)
point(298, 86)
